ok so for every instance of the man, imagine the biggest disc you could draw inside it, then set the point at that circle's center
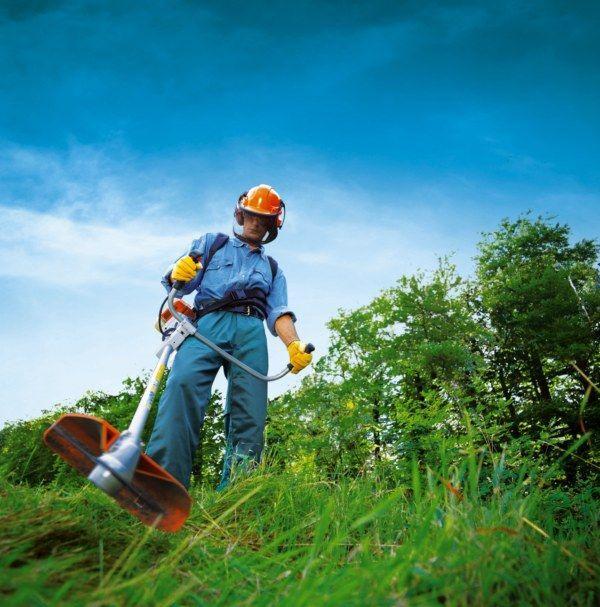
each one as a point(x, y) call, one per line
point(238, 286)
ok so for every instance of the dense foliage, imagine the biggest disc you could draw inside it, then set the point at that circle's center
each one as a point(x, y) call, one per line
point(514, 352)
point(450, 427)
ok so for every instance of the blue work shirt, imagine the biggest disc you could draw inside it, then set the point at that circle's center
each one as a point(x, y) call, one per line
point(235, 266)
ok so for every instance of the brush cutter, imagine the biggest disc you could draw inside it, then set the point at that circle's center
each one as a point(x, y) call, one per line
point(114, 461)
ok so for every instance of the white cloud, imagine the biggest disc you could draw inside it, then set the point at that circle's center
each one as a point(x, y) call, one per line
point(98, 215)
point(87, 216)
point(53, 247)
point(316, 258)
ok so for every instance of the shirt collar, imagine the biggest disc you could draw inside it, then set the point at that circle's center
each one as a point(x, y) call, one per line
point(240, 243)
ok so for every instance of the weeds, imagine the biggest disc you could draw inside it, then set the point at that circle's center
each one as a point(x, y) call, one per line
point(288, 539)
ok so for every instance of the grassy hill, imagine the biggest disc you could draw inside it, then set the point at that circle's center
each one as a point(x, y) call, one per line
point(282, 537)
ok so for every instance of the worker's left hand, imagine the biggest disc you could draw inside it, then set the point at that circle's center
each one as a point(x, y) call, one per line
point(298, 357)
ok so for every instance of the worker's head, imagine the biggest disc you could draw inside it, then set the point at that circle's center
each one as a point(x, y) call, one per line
point(259, 215)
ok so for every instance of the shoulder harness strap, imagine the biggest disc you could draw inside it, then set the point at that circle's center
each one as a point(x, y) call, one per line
point(219, 242)
point(273, 265)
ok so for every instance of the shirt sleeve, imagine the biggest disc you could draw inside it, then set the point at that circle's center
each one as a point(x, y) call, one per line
point(196, 249)
point(277, 301)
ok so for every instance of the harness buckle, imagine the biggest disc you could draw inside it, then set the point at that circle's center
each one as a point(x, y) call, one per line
point(248, 311)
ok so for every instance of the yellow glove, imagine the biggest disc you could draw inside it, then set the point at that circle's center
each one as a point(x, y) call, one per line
point(185, 269)
point(298, 357)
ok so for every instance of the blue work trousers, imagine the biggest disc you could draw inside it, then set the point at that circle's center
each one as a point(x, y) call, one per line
point(182, 408)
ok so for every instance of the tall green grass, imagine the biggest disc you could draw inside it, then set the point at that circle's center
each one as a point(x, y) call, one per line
point(283, 538)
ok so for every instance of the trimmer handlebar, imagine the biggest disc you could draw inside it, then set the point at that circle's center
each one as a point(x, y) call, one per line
point(309, 348)
point(177, 285)
point(181, 319)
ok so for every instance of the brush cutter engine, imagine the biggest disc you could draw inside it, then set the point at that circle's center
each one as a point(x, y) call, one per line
point(166, 321)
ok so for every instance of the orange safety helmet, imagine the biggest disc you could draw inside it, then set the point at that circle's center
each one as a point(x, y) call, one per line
point(265, 201)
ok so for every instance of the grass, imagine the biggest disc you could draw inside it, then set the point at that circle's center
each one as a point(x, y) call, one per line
point(279, 538)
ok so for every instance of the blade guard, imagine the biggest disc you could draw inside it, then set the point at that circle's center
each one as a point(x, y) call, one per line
point(154, 496)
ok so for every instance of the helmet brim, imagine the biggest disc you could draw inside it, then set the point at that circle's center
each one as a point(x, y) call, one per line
point(257, 213)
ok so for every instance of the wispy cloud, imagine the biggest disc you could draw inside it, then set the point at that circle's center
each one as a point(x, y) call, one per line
point(89, 215)
point(55, 248)
point(87, 182)
point(98, 215)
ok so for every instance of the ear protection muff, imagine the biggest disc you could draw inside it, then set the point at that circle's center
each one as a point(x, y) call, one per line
point(281, 216)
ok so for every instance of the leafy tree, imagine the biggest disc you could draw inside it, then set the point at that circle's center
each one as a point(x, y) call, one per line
point(395, 379)
point(540, 297)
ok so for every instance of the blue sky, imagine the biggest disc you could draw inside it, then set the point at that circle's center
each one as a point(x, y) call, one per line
point(396, 131)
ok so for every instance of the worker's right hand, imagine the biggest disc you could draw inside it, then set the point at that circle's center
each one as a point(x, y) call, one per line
point(185, 269)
